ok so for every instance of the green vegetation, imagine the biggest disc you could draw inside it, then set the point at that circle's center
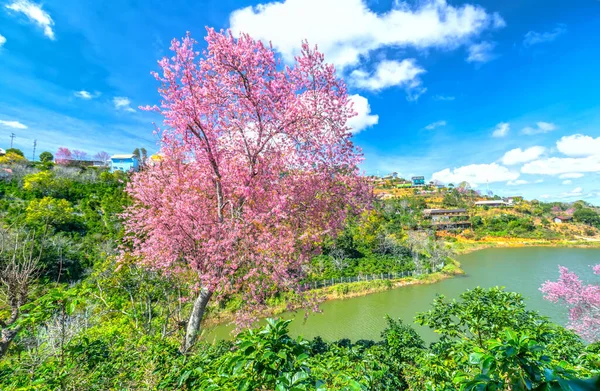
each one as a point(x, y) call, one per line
point(71, 318)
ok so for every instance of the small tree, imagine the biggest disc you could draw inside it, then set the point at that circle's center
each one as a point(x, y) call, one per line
point(582, 300)
point(79, 155)
point(19, 264)
point(257, 167)
point(102, 156)
point(63, 156)
point(46, 157)
point(15, 151)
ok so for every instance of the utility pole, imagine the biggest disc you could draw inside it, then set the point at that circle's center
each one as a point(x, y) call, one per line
point(34, 145)
point(12, 137)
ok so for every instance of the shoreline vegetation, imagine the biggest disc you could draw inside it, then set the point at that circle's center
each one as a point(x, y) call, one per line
point(349, 290)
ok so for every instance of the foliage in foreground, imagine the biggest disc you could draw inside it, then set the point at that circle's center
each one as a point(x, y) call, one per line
point(488, 341)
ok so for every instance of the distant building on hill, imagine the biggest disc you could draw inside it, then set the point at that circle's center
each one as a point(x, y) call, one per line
point(124, 162)
point(562, 219)
point(418, 181)
point(446, 219)
point(2, 152)
point(493, 203)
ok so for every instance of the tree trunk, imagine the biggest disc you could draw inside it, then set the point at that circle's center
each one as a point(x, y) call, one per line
point(193, 326)
point(6, 337)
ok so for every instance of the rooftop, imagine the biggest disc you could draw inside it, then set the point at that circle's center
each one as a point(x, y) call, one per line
point(122, 156)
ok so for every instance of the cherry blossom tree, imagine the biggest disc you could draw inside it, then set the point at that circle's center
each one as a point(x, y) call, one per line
point(582, 300)
point(102, 156)
point(257, 166)
point(63, 156)
point(79, 155)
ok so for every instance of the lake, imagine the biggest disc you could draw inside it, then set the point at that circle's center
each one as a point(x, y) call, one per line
point(518, 269)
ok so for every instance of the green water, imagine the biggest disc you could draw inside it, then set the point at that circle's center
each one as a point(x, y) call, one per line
point(518, 269)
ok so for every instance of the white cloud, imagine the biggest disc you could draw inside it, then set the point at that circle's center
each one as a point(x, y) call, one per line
point(364, 119)
point(435, 124)
point(501, 129)
point(579, 145)
point(2, 40)
point(518, 182)
point(389, 73)
point(567, 182)
point(35, 14)
point(518, 155)
point(540, 127)
point(481, 52)
point(123, 103)
point(13, 124)
point(576, 192)
point(571, 175)
point(539, 181)
point(346, 30)
point(476, 174)
point(545, 196)
point(557, 165)
point(534, 38)
point(444, 97)
point(87, 95)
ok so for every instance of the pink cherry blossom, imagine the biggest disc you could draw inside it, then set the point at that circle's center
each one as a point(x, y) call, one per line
point(582, 300)
point(257, 166)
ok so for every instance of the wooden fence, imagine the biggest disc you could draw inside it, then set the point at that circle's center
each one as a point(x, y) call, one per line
point(371, 277)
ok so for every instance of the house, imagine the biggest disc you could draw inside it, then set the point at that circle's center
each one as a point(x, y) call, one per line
point(2, 152)
point(124, 162)
point(418, 181)
point(562, 219)
point(492, 203)
point(442, 219)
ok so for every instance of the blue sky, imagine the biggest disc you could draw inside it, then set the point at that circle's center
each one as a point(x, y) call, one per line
point(503, 94)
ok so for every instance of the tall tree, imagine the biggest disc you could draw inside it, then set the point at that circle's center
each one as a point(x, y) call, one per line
point(258, 165)
point(136, 153)
point(63, 156)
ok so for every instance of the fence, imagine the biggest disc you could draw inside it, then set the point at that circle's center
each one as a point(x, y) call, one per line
point(372, 277)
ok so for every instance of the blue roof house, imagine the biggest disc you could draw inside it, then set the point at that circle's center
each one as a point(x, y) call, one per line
point(125, 163)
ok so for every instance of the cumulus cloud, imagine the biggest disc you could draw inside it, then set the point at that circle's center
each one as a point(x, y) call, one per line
point(567, 182)
point(476, 174)
point(501, 129)
point(2, 40)
point(435, 124)
point(123, 103)
point(389, 73)
point(35, 14)
point(13, 124)
point(540, 127)
point(518, 155)
point(364, 119)
point(481, 52)
point(571, 175)
point(86, 94)
point(346, 30)
point(579, 145)
point(534, 37)
point(518, 182)
point(576, 192)
point(557, 165)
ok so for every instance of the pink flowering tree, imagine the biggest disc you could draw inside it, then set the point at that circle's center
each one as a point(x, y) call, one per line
point(79, 155)
point(257, 166)
point(63, 156)
point(102, 156)
point(582, 300)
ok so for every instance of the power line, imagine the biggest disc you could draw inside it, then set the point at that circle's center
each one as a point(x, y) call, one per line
point(12, 137)
point(34, 145)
